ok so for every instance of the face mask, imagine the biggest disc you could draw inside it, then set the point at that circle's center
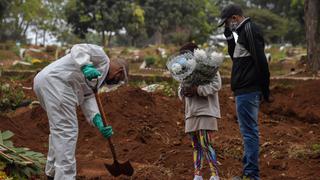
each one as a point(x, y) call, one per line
point(233, 26)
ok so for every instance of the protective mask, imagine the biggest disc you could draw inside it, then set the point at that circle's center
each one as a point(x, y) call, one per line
point(233, 26)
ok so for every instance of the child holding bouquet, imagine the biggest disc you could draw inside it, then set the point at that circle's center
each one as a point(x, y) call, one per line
point(202, 109)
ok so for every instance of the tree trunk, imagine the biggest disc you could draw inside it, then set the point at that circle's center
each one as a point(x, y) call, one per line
point(109, 39)
point(312, 18)
point(25, 30)
point(36, 40)
point(44, 38)
point(103, 42)
point(158, 37)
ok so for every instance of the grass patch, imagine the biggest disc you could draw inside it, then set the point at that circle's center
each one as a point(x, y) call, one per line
point(276, 54)
point(315, 148)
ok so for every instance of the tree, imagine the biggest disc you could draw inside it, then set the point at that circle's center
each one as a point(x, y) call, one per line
point(20, 16)
point(312, 17)
point(296, 31)
point(195, 18)
point(203, 22)
point(134, 22)
point(4, 6)
point(98, 15)
point(273, 26)
point(293, 11)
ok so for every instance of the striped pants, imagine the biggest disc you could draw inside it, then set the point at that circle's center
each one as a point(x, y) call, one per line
point(202, 146)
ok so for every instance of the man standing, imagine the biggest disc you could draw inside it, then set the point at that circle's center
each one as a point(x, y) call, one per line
point(249, 80)
point(60, 88)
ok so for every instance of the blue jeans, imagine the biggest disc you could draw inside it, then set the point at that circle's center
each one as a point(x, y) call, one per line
point(247, 111)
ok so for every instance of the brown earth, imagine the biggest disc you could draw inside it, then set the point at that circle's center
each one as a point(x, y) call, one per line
point(149, 131)
point(301, 102)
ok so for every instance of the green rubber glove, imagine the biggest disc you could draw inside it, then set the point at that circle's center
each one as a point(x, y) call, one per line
point(106, 131)
point(90, 72)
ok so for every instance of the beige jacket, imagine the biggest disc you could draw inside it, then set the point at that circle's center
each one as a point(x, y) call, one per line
point(207, 101)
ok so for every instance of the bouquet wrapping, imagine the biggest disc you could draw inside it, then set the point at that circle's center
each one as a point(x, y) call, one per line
point(194, 69)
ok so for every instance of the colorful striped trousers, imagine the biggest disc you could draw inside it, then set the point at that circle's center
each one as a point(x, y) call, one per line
point(202, 146)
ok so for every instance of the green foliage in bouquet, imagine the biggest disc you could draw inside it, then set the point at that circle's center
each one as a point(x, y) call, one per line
point(18, 163)
point(200, 75)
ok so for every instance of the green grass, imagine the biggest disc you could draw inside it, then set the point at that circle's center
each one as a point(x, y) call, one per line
point(315, 148)
point(276, 54)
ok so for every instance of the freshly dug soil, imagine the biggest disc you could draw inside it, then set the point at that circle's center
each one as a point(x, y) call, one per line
point(149, 131)
point(300, 101)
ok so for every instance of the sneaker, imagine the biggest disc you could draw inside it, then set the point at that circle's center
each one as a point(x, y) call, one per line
point(214, 178)
point(196, 177)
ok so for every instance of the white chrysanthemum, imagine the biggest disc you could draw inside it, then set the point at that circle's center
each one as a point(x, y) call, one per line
point(176, 68)
point(217, 57)
point(200, 54)
point(191, 63)
point(197, 68)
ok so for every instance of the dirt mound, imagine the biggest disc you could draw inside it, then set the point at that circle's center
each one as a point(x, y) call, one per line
point(149, 131)
point(301, 100)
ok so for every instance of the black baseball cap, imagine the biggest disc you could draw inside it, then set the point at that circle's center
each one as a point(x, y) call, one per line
point(228, 11)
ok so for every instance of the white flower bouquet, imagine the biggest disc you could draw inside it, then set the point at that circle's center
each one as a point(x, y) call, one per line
point(196, 68)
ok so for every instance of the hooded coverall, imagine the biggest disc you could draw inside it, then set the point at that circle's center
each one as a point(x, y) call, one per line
point(60, 88)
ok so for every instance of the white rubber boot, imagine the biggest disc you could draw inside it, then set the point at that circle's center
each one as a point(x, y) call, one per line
point(196, 177)
point(214, 178)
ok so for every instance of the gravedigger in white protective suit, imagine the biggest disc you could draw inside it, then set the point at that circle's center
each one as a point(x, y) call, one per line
point(60, 88)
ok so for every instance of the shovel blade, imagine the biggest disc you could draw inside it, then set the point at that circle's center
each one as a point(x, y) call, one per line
point(116, 169)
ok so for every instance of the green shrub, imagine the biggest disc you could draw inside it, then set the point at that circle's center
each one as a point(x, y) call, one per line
point(10, 96)
point(150, 60)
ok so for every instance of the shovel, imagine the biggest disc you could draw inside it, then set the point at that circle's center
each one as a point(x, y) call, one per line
point(115, 169)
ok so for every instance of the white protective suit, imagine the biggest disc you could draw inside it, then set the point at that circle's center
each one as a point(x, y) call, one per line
point(60, 88)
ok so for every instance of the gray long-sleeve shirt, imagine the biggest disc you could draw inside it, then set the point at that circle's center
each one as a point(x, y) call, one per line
point(207, 101)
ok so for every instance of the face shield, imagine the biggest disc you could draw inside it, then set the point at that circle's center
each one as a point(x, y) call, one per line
point(120, 78)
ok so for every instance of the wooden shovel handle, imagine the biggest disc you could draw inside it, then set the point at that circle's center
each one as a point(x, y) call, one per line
point(104, 119)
